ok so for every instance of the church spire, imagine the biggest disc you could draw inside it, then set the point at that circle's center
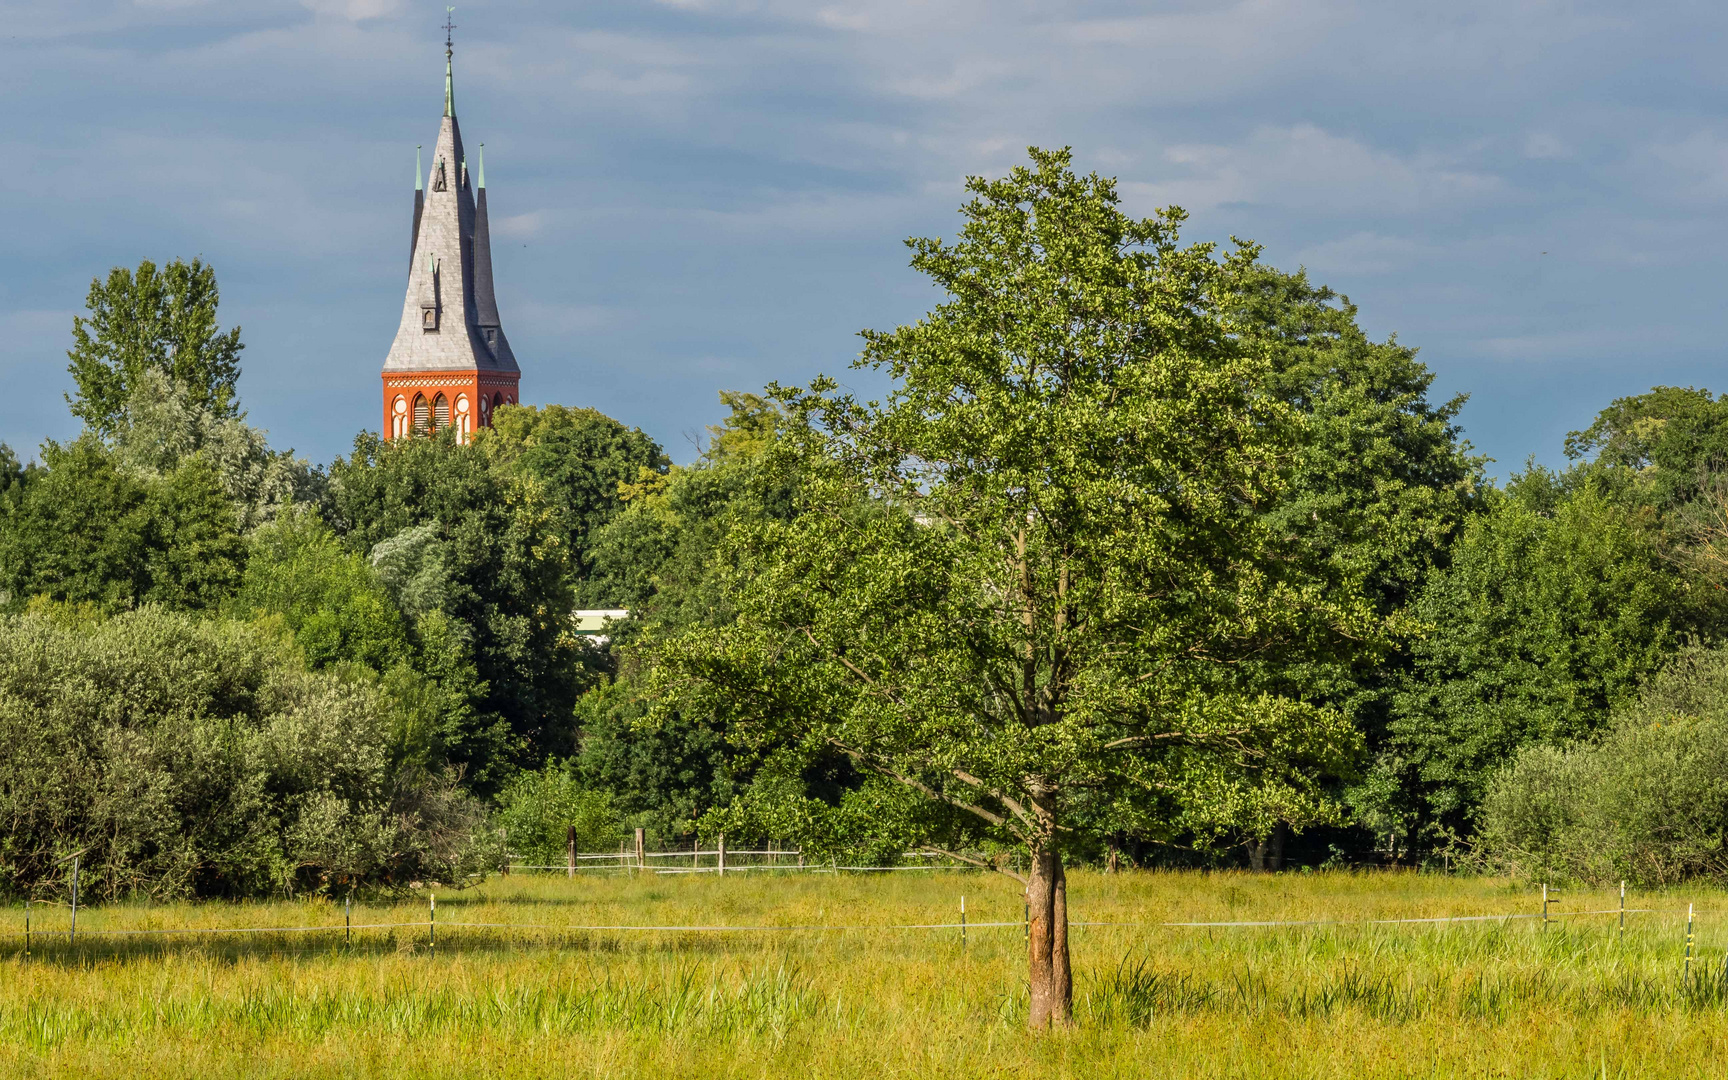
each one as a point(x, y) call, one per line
point(450, 363)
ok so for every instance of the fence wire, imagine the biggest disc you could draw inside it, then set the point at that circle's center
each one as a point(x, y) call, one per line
point(811, 927)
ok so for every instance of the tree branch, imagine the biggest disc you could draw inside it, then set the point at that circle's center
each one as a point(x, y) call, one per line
point(875, 763)
point(1018, 810)
point(981, 864)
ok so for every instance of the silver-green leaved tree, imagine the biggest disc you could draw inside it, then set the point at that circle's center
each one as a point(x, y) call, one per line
point(1037, 586)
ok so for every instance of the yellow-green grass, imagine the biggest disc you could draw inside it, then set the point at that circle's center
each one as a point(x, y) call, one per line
point(1472, 999)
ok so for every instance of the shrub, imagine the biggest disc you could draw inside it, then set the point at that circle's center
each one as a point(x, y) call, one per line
point(191, 757)
point(538, 809)
point(1647, 803)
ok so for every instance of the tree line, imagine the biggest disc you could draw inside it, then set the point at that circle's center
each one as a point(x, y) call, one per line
point(1150, 554)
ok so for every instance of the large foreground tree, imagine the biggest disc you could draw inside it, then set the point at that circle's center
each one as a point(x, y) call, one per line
point(1039, 588)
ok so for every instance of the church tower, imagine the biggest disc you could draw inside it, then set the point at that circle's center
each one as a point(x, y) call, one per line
point(450, 364)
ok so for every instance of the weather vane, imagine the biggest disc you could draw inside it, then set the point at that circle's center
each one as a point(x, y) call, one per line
point(449, 25)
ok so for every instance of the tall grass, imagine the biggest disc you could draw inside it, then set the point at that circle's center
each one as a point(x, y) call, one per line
point(1517, 999)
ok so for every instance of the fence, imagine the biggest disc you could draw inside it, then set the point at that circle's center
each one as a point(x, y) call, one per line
point(636, 860)
point(1549, 913)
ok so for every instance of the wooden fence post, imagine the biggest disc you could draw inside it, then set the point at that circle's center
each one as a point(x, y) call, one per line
point(722, 850)
point(73, 936)
point(570, 857)
point(1687, 972)
point(641, 858)
point(432, 921)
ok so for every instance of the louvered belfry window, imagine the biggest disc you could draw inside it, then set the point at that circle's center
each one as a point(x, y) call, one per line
point(441, 412)
point(422, 415)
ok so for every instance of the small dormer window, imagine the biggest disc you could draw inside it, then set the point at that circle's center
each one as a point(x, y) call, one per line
point(439, 183)
point(491, 335)
point(429, 298)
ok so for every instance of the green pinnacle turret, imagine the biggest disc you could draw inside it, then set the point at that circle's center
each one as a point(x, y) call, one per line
point(417, 170)
point(482, 157)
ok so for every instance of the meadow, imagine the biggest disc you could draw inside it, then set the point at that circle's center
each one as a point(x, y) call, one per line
point(524, 997)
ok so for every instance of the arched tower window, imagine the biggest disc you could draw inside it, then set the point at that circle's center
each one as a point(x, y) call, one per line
point(497, 400)
point(440, 412)
point(422, 414)
point(399, 417)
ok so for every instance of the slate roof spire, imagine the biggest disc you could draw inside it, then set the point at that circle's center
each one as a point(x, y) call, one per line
point(449, 313)
point(419, 207)
point(485, 303)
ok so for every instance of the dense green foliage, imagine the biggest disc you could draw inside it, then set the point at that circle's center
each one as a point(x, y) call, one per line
point(152, 320)
point(1670, 441)
point(189, 757)
point(1382, 481)
point(1546, 620)
point(449, 533)
point(1647, 803)
point(580, 457)
point(328, 597)
point(538, 809)
point(90, 531)
point(662, 558)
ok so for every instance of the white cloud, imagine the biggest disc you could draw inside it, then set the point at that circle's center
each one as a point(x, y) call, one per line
point(354, 10)
point(1361, 253)
point(1694, 168)
point(1306, 168)
point(519, 225)
point(553, 318)
point(1545, 146)
point(38, 328)
point(809, 215)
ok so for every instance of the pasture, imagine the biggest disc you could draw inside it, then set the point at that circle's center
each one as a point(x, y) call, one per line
point(843, 996)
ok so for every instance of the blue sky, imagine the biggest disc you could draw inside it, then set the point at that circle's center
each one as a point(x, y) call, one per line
point(697, 195)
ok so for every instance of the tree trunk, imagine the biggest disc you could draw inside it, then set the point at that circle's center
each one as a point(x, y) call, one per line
point(1268, 853)
point(1047, 942)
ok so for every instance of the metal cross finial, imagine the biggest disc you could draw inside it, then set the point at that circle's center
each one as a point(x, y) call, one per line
point(449, 25)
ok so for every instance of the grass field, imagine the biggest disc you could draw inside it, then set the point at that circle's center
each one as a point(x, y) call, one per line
point(1471, 999)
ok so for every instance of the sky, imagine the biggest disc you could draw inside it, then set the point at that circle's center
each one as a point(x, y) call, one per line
point(691, 196)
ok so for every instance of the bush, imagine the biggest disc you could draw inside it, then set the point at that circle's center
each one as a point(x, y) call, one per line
point(327, 596)
point(1647, 803)
point(200, 758)
point(1548, 621)
point(538, 809)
